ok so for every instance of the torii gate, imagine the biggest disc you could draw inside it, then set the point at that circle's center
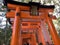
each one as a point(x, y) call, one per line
point(29, 23)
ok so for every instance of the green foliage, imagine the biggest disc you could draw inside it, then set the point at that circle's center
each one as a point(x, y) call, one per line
point(5, 35)
point(4, 7)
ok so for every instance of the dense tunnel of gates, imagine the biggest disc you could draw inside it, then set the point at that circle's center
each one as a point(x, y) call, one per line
point(29, 22)
point(25, 42)
point(29, 27)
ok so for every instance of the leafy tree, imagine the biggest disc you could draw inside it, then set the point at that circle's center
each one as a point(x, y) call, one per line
point(5, 35)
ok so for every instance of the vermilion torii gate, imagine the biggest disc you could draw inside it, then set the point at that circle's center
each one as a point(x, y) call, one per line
point(29, 22)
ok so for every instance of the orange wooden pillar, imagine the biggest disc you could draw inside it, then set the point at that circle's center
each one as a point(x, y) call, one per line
point(40, 36)
point(33, 39)
point(53, 32)
point(59, 39)
point(28, 41)
point(45, 32)
point(16, 29)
